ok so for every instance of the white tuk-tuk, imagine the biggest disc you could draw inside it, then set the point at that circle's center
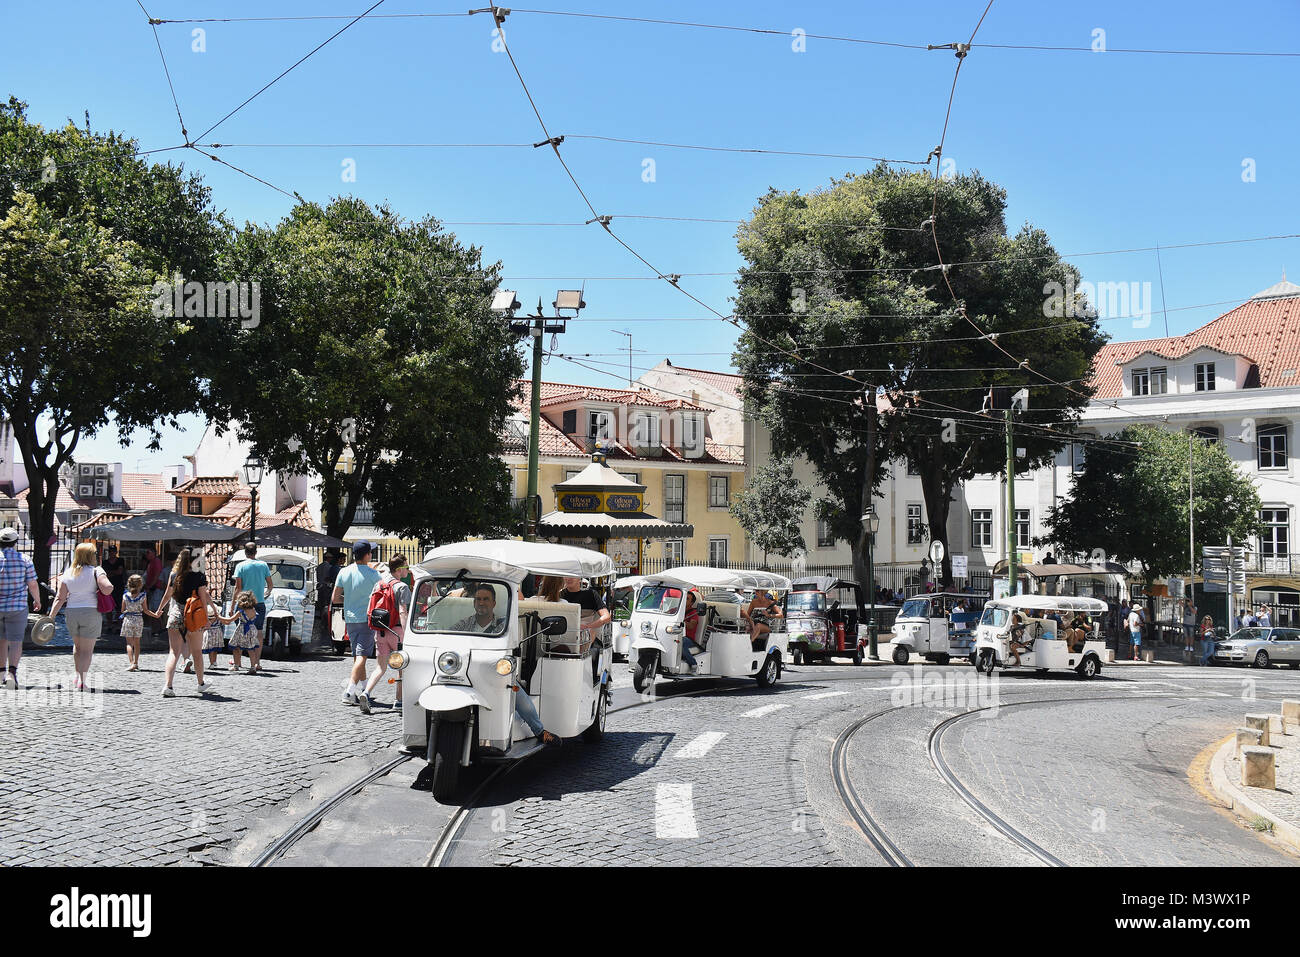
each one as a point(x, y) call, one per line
point(291, 607)
point(938, 627)
point(722, 635)
point(1016, 631)
point(623, 601)
point(470, 642)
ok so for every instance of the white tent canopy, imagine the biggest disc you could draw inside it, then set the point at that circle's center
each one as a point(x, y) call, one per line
point(511, 560)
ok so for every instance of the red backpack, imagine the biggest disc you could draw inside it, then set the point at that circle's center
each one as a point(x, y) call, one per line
point(384, 597)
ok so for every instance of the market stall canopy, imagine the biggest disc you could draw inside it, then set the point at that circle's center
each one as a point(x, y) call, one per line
point(604, 525)
point(165, 526)
point(1057, 571)
point(292, 536)
point(511, 560)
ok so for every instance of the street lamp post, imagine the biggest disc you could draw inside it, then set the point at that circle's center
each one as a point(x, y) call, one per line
point(872, 521)
point(253, 476)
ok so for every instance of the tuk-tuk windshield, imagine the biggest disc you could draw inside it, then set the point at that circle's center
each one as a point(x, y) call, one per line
point(457, 605)
point(288, 575)
point(915, 608)
point(659, 599)
point(806, 602)
point(995, 616)
point(621, 606)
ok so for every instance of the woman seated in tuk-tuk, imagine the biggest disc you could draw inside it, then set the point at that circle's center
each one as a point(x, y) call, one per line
point(1078, 631)
point(1017, 637)
point(758, 612)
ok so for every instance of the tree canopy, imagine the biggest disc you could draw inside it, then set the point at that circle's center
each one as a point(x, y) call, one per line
point(770, 508)
point(842, 287)
point(377, 365)
point(1131, 503)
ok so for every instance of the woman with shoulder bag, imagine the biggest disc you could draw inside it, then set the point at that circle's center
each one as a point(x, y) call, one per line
point(85, 594)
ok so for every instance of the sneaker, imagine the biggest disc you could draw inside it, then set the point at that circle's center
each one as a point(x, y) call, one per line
point(168, 693)
point(363, 702)
point(189, 667)
point(349, 698)
point(205, 688)
point(11, 681)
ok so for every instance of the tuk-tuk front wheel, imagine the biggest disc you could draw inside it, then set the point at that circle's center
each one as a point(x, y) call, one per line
point(643, 673)
point(446, 741)
point(596, 730)
point(770, 672)
point(901, 655)
point(857, 656)
point(797, 656)
point(986, 662)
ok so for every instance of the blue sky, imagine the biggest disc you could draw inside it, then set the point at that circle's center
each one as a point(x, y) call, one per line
point(1104, 151)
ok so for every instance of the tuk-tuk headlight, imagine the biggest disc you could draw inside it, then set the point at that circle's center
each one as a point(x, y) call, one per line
point(397, 661)
point(505, 666)
point(449, 662)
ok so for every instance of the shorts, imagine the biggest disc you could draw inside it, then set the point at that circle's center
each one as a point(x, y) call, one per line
point(362, 638)
point(132, 626)
point(12, 625)
point(386, 643)
point(1136, 637)
point(261, 615)
point(175, 616)
point(83, 622)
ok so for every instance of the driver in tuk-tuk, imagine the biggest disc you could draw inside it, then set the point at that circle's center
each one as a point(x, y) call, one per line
point(1017, 637)
point(758, 612)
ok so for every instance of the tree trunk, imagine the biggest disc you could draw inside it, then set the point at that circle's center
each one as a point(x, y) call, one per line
point(868, 492)
point(938, 501)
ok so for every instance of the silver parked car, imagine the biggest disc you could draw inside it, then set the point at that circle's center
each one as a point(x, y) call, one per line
point(1260, 647)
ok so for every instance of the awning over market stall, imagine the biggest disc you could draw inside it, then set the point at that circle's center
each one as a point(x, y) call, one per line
point(601, 525)
point(292, 536)
point(1056, 571)
point(165, 526)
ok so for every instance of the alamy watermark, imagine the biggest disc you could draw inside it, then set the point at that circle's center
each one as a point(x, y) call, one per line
point(1110, 300)
point(209, 300)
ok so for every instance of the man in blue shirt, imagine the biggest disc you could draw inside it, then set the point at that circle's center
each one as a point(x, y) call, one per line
point(352, 590)
point(17, 582)
point(254, 576)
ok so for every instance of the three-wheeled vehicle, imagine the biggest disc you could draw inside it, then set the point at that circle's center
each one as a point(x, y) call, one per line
point(291, 607)
point(722, 634)
point(825, 617)
point(623, 600)
point(470, 642)
point(938, 627)
point(1018, 625)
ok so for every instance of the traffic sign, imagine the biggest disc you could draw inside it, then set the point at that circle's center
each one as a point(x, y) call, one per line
point(936, 552)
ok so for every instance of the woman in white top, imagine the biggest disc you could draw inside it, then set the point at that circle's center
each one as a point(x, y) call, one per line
point(79, 589)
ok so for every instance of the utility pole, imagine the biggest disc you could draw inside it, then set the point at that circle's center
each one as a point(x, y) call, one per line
point(1191, 524)
point(1011, 508)
point(534, 426)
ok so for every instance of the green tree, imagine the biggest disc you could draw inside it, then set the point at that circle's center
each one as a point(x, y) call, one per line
point(847, 279)
point(86, 228)
point(378, 366)
point(770, 508)
point(1131, 504)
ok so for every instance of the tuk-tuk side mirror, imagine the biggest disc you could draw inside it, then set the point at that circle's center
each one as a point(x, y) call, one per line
point(554, 625)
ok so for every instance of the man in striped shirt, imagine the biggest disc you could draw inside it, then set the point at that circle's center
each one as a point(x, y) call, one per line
point(17, 582)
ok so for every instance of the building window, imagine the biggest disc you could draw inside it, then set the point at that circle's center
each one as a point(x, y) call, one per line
point(1207, 433)
point(675, 552)
point(1274, 540)
point(1078, 454)
point(675, 498)
point(915, 528)
point(1205, 377)
point(645, 430)
point(1272, 447)
point(981, 528)
point(825, 539)
point(911, 468)
point(570, 473)
point(691, 434)
point(718, 548)
point(194, 506)
point(634, 477)
point(1150, 381)
point(719, 494)
point(1022, 528)
point(600, 426)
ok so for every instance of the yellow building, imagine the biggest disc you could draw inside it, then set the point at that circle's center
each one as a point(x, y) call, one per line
point(658, 441)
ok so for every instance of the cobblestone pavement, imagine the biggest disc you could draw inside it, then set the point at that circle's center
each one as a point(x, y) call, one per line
point(125, 776)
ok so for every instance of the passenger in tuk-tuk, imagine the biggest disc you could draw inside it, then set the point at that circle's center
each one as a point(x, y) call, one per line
point(1018, 624)
point(691, 626)
point(1078, 631)
point(758, 613)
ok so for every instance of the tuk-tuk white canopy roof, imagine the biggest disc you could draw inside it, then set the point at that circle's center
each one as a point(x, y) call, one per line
point(275, 555)
point(510, 560)
point(704, 576)
point(1093, 606)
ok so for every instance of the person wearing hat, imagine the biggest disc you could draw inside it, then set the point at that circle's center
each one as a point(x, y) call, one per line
point(17, 584)
point(1135, 628)
point(352, 590)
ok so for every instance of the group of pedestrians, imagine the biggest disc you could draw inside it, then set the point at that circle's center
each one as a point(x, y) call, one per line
point(354, 588)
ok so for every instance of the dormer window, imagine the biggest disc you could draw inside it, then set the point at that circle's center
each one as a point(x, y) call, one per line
point(1153, 381)
point(600, 426)
point(645, 430)
point(1205, 377)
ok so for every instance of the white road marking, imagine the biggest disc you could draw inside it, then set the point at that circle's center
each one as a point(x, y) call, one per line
point(674, 812)
point(698, 747)
point(766, 709)
point(824, 694)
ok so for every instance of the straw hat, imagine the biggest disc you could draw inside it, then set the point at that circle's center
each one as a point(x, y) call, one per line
point(43, 630)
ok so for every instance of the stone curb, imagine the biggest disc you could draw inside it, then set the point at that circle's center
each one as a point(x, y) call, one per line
point(1241, 803)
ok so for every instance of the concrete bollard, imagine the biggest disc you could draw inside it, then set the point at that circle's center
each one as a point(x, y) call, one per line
point(1276, 725)
point(1260, 723)
point(1291, 713)
point(1148, 655)
point(1110, 656)
point(1258, 768)
point(1247, 738)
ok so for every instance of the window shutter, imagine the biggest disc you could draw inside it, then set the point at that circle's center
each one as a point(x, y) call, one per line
point(571, 422)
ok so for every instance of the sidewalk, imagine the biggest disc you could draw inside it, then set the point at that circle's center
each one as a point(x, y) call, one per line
point(1280, 807)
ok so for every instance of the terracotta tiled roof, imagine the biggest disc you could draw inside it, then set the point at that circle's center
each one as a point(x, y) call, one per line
point(144, 491)
point(1265, 330)
point(63, 500)
point(551, 441)
point(556, 393)
point(727, 382)
point(103, 518)
point(208, 485)
point(298, 514)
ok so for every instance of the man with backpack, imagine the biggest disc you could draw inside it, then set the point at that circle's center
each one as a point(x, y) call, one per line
point(391, 596)
point(352, 590)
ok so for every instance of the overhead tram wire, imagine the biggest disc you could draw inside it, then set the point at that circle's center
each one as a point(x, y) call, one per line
point(166, 71)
